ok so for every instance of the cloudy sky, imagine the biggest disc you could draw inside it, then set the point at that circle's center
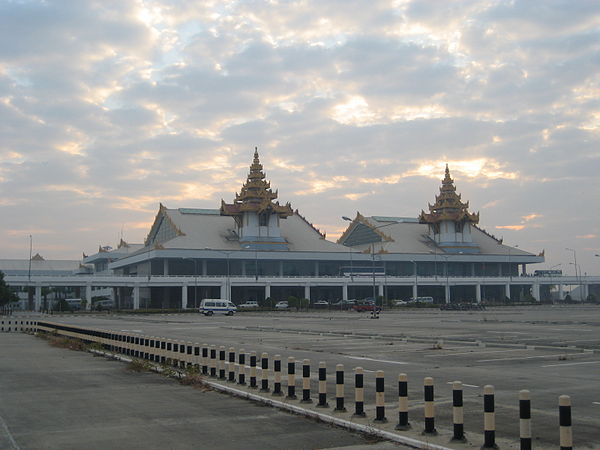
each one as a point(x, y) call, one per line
point(109, 107)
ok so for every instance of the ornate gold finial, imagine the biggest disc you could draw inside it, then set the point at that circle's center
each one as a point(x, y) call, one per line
point(448, 205)
point(256, 195)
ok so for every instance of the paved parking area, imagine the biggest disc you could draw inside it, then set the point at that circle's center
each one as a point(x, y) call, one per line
point(547, 350)
point(53, 398)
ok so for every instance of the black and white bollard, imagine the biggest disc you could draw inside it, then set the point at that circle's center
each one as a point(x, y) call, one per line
point(264, 372)
point(306, 381)
point(204, 360)
point(222, 362)
point(231, 364)
point(429, 407)
point(402, 402)
point(197, 357)
point(277, 376)
point(380, 397)
point(322, 386)
point(359, 392)
point(242, 366)
point(458, 412)
point(291, 378)
point(253, 370)
point(339, 388)
point(564, 412)
point(213, 361)
point(489, 417)
point(525, 419)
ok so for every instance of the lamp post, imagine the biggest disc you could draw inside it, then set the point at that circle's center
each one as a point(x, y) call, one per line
point(577, 280)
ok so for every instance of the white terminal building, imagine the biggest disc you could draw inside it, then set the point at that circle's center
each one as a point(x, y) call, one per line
point(255, 248)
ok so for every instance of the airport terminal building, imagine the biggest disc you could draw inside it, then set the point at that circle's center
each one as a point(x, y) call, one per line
point(256, 248)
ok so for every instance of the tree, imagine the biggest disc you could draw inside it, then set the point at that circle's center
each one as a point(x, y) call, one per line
point(6, 295)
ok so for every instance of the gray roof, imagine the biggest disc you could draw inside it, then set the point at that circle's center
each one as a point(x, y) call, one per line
point(414, 238)
point(207, 229)
point(46, 267)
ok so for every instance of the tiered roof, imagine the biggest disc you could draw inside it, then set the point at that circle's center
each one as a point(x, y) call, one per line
point(256, 195)
point(448, 205)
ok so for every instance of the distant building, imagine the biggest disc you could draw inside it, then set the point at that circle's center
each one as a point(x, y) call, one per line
point(256, 248)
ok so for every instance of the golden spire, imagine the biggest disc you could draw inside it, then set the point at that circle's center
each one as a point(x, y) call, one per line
point(256, 195)
point(448, 205)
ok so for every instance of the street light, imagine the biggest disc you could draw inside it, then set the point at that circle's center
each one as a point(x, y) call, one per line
point(577, 279)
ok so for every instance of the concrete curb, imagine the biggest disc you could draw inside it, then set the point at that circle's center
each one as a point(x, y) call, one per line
point(413, 443)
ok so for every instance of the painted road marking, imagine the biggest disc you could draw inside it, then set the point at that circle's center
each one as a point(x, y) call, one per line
point(466, 385)
point(572, 364)
point(595, 403)
point(523, 357)
point(376, 360)
point(475, 353)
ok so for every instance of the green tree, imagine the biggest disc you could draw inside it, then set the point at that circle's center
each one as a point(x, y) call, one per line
point(6, 295)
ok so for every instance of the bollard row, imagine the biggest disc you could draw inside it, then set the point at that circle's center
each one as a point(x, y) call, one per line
point(221, 363)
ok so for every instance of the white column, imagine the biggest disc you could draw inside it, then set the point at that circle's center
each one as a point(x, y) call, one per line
point(415, 291)
point(478, 293)
point(560, 291)
point(88, 296)
point(345, 291)
point(267, 290)
point(507, 290)
point(224, 290)
point(307, 291)
point(536, 291)
point(165, 266)
point(136, 296)
point(184, 296)
point(447, 293)
point(38, 298)
point(204, 267)
point(380, 290)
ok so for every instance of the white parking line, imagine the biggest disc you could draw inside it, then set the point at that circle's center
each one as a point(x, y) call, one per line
point(595, 403)
point(516, 359)
point(475, 353)
point(572, 364)
point(376, 360)
point(466, 385)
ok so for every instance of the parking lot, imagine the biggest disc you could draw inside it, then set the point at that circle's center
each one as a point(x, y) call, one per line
point(546, 349)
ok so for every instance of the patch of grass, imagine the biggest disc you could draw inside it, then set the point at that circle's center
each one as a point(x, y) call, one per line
point(65, 342)
point(138, 365)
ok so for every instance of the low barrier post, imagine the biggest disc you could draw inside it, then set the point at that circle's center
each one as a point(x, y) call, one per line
point(213, 361)
point(277, 376)
point(564, 412)
point(231, 364)
point(264, 372)
point(322, 385)
point(359, 392)
point(402, 402)
point(242, 366)
point(222, 362)
point(429, 407)
point(306, 382)
point(339, 388)
point(458, 412)
point(380, 397)
point(525, 419)
point(204, 359)
point(197, 356)
point(291, 378)
point(489, 417)
point(253, 370)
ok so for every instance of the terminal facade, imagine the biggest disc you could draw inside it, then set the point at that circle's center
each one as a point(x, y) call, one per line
point(255, 248)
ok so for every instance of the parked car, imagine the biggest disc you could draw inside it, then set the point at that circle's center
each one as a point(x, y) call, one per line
point(210, 306)
point(249, 304)
point(282, 305)
point(362, 307)
point(400, 302)
point(321, 304)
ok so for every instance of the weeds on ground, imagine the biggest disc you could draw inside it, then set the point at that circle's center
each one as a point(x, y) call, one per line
point(64, 342)
point(138, 365)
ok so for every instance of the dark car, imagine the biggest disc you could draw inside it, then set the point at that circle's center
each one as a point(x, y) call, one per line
point(361, 307)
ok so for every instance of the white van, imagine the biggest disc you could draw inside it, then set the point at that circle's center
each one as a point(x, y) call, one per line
point(210, 306)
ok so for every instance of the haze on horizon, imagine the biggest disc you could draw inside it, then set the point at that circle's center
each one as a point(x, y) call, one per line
point(108, 108)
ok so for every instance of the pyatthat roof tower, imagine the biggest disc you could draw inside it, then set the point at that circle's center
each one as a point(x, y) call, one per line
point(449, 219)
point(256, 213)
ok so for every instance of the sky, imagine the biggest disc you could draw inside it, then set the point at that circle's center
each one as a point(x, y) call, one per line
point(108, 108)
